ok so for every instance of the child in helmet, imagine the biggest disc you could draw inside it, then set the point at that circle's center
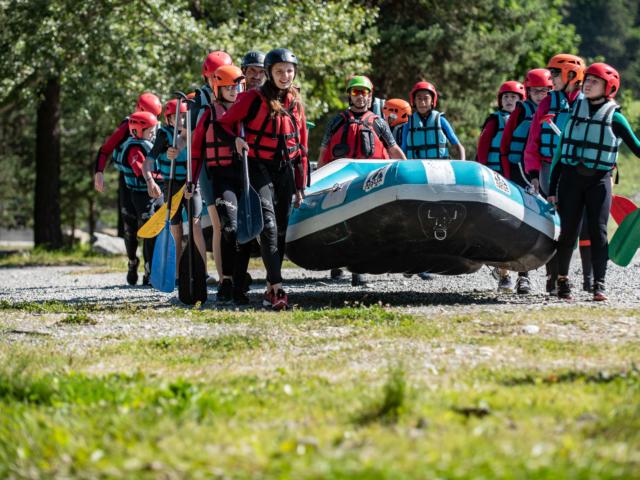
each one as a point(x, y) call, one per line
point(224, 173)
point(159, 156)
point(567, 74)
point(127, 222)
point(253, 69)
point(130, 159)
point(426, 133)
point(396, 112)
point(581, 173)
point(276, 144)
point(514, 138)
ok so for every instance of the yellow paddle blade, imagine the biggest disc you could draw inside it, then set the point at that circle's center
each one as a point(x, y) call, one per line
point(155, 224)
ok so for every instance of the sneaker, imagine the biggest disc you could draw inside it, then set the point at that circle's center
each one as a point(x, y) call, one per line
point(357, 280)
point(132, 273)
point(599, 294)
point(280, 301)
point(495, 273)
point(267, 299)
point(505, 284)
point(146, 278)
point(425, 276)
point(248, 280)
point(240, 298)
point(587, 284)
point(336, 273)
point(523, 286)
point(552, 285)
point(564, 289)
point(225, 291)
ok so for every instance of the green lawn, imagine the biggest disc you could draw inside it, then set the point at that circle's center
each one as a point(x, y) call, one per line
point(367, 392)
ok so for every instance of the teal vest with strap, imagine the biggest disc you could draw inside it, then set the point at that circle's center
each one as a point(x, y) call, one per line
point(589, 140)
point(132, 181)
point(493, 159)
point(164, 164)
point(203, 98)
point(426, 139)
point(561, 108)
point(521, 132)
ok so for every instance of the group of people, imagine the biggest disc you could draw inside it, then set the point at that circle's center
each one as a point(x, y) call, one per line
point(255, 108)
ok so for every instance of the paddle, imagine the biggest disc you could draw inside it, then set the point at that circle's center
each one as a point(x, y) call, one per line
point(156, 223)
point(621, 207)
point(626, 240)
point(250, 222)
point(192, 276)
point(163, 267)
point(548, 118)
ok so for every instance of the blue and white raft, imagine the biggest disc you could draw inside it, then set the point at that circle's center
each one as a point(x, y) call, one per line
point(439, 216)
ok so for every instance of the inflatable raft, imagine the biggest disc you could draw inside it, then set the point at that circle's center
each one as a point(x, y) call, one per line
point(439, 216)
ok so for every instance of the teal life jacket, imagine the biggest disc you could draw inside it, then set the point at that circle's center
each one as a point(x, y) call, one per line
point(164, 164)
point(115, 155)
point(521, 133)
point(493, 159)
point(202, 99)
point(377, 104)
point(589, 140)
point(426, 139)
point(132, 181)
point(561, 108)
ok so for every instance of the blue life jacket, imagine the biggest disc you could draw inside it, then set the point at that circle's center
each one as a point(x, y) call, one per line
point(397, 133)
point(521, 133)
point(561, 108)
point(493, 159)
point(164, 164)
point(426, 139)
point(132, 181)
point(589, 140)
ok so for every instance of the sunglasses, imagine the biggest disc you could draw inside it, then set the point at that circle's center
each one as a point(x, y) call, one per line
point(359, 91)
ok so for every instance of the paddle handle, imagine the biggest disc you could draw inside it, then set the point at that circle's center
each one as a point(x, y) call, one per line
point(245, 164)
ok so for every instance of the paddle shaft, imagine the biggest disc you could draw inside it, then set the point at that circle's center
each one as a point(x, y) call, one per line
point(172, 169)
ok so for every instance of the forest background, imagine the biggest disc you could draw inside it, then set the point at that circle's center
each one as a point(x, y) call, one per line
point(71, 71)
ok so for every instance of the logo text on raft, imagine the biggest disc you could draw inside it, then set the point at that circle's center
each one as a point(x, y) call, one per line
point(375, 178)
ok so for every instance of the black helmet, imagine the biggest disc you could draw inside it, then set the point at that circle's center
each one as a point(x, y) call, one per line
point(278, 55)
point(253, 58)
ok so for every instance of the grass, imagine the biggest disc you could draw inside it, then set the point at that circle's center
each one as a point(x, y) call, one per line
point(357, 392)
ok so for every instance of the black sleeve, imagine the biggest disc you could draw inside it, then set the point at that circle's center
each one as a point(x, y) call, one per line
point(384, 132)
point(160, 145)
point(627, 136)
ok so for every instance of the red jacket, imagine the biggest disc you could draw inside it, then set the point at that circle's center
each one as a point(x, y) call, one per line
point(484, 143)
point(118, 136)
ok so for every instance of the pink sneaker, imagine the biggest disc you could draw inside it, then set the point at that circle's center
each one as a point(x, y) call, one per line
point(280, 301)
point(267, 299)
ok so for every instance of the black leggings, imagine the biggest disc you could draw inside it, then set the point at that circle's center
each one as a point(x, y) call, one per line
point(276, 187)
point(137, 208)
point(226, 183)
point(591, 194)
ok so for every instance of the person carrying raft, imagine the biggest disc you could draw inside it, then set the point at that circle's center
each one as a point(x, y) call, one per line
point(583, 162)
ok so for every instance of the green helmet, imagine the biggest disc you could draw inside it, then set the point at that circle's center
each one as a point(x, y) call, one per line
point(359, 81)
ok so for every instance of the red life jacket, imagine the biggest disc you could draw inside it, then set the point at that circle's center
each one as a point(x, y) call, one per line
point(264, 131)
point(217, 152)
point(355, 138)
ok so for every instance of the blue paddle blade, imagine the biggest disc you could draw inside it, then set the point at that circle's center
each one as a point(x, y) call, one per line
point(250, 222)
point(163, 265)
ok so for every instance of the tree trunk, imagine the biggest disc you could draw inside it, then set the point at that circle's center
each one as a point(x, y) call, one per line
point(47, 231)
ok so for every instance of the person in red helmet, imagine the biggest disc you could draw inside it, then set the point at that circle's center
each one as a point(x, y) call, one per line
point(130, 159)
point(488, 151)
point(427, 132)
point(583, 162)
point(514, 138)
point(276, 144)
point(147, 102)
point(567, 74)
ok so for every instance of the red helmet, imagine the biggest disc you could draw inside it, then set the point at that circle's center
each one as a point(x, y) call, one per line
point(429, 87)
point(148, 102)
point(396, 111)
point(170, 108)
point(538, 77)
point(565, 62)
point(139, 121)
point(609, 74)
point(511, 86)
point(214, 61)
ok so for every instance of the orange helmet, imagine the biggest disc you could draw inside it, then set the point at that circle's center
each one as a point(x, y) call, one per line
point(538, 77)
point(148, 102)
point(170, 108)
point(214, 61)
point(429, 87)
point(396, 111)
point(609, 74)
point(227, 75)
point(566, 63)
point(139, 121)
point(511, 86)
